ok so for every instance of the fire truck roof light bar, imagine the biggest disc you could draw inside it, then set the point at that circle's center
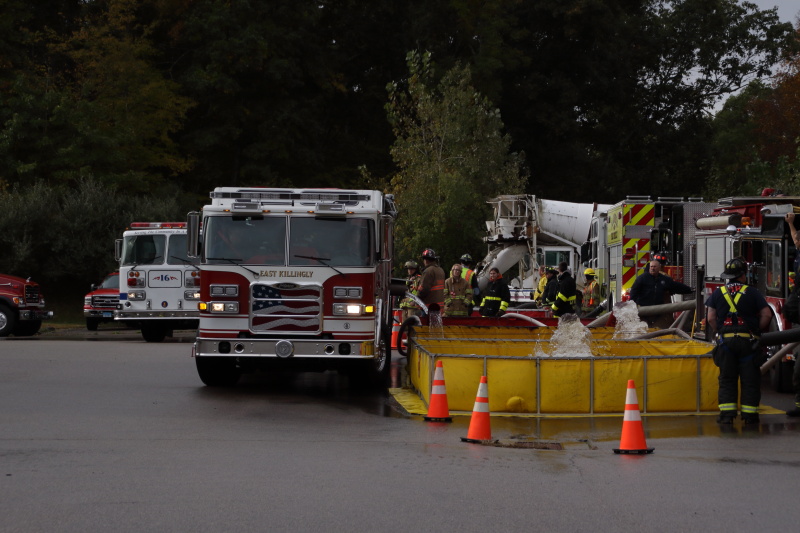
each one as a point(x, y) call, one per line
point(157, 225)
point(288, 197)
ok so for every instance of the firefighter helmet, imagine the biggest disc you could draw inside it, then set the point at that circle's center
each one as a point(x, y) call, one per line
point(589, 272)
point(411, 264)
point(466, 258)
point(734, 268)
point(428, 253)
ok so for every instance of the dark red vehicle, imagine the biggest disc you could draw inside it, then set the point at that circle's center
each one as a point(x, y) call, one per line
point(21, 307)
point(99, 304)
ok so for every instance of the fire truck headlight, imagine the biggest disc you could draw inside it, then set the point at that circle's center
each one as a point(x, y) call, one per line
point(224, 307)
point(191, 295)
point(136, 295)
point(348, 309)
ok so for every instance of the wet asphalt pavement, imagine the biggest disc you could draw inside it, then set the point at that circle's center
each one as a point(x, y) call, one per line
point(100, 429)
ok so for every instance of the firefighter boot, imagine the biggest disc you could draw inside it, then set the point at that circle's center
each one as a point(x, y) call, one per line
point(750, 418)
point(726, 417)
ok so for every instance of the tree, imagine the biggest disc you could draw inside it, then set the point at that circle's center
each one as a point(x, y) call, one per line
point(757, 135)
point(616, 92)
point(90, 100)
point(452, 156)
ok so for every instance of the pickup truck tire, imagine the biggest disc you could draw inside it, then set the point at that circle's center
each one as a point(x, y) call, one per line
point(28, 328)
point(8, 320)
point(217, 371)
point(92, 323)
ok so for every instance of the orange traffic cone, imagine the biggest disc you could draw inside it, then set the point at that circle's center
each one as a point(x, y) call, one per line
point(396, 319)
point(438, 410)
point(480, 429)
point(632, 440)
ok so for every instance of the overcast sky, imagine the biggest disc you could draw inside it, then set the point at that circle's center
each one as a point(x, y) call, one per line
point(787, 9)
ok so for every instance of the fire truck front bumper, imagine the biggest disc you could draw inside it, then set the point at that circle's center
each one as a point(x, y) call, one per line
point(143, 315)
point(284, 349)
point(35, 314)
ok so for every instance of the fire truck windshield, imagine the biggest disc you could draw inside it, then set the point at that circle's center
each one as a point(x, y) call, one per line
point(143, 250)
point(311, 241)
point(177, 250)
point(331, 241)
point(250, 240)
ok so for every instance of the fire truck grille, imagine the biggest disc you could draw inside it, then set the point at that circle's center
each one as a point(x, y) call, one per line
point(286, 307)
point(108, 300)
point(31, 294)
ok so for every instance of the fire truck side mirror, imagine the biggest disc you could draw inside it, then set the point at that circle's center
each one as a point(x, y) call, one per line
point(117, 250)
point(193, 234)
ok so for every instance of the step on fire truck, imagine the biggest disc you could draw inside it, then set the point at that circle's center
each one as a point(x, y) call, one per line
point(294, 279)
point(753, 228)
point(158, 282)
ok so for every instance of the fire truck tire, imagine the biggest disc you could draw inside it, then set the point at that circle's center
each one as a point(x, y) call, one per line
point(28, 328)
point(217, 371)
point(405, 329)
point(92, 323)
point(7, 320)
point(154, 332)
point(382, 366)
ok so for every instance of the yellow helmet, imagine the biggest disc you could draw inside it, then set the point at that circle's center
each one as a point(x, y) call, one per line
point(589, 272)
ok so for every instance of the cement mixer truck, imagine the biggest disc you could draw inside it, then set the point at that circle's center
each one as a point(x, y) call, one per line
point(526, 232)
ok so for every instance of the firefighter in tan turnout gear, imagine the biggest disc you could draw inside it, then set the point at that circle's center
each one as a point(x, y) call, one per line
point(457, 294)
point(409, 306)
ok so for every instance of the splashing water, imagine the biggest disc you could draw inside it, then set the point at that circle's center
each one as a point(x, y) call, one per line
point(418, 302)
point(435, 328)
point(629, 325)
point(571, 338)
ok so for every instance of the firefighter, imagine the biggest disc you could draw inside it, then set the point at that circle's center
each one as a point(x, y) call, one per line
point(591, 292)
point(497, 297)
point(431, 290)
point(468, 273)
point(537, 295)
point(792, 281)
point(567, 292)
point(551, 287)
point(655, 288)
point(409, 306)
point(457, 293)
point(737, 314)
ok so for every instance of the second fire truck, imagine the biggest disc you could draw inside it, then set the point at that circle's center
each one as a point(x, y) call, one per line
point(159, 284)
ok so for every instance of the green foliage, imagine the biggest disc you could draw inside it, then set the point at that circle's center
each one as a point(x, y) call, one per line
point(66, 235)
point(94, 102)
point(452, 156)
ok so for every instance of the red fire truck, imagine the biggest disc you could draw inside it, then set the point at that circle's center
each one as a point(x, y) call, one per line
point(753, 228)
point(21, 307)
point(296, 279)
